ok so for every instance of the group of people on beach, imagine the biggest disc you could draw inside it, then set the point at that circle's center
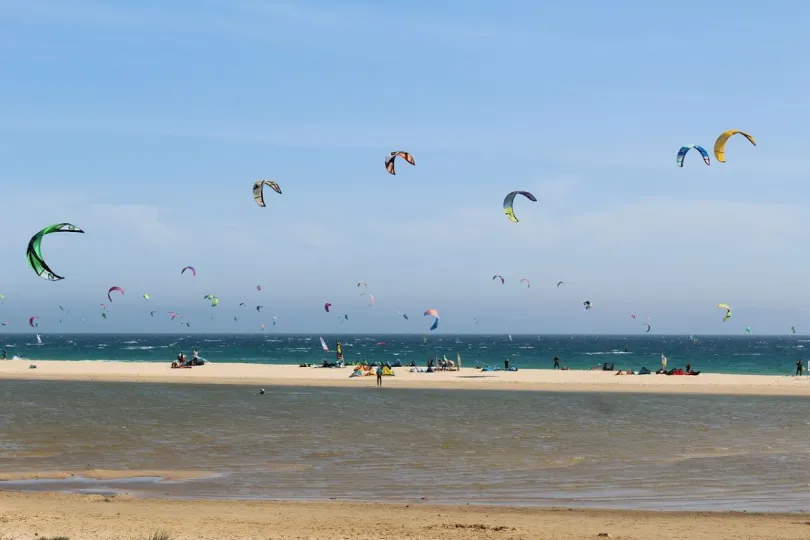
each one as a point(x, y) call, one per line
point(182, 363)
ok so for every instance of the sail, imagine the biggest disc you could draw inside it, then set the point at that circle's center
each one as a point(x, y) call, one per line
point(458, 360)
point(39, 340)
point(324, 346)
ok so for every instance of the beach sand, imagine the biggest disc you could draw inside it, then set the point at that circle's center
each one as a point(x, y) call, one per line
point(263, 375)
point(25, 516)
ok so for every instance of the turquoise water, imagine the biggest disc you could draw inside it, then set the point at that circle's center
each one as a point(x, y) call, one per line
point(649, 451)
point(774, 355)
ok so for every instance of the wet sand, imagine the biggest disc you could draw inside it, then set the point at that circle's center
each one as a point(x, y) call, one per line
point(100, 474)
point(466, 378)
point(25, 516)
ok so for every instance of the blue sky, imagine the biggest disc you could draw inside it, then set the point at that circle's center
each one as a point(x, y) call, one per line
point(145, 123)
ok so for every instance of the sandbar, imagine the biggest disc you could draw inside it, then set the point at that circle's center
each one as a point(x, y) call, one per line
point(25, 516)
point(264, 375)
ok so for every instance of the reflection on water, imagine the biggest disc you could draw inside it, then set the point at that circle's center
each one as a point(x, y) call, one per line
point(532, 448)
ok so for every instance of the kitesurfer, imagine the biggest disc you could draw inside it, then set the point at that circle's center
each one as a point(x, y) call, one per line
point(556, 362)
point(261, 392)
point(506, 364)
point(799, 367)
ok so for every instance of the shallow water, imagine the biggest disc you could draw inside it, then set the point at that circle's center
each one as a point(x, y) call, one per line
point(518, 448)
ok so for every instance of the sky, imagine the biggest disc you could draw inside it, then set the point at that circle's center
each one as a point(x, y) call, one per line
point(146, 123)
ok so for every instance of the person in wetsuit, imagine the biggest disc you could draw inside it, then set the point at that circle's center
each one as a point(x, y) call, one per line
point(799, 366)
point(556, 362)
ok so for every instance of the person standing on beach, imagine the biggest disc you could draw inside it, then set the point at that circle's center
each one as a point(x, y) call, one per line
point(556, 362)
point(379, 375)
point(799, 367)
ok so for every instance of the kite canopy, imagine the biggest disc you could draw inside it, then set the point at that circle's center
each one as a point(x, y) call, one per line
point(509, 201)
point(684, 149)
point(389, 161)
point(258, 190)
point(119, 289)
point(326, 306)
point(193, 271)
point(498, 276)
point(728, 311)
point(720, 143)
point(433, 313)
point(370, 298)
point(527, 282)
point(34, 251)
point(33, 321)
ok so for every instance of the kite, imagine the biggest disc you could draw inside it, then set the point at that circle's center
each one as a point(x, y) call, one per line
point(5, 323)
point(498, 276)
point(172, 314)
point(3, 298)
point(748, 330)
point(370, 298)
point(214, 300)
point(119, 289)
point(528, 283)
point(792, 329)
point(363, 283)
point(509, 201)
point(403, 315)
point(433, 313)
point(343, 318)
point(34, 251)
point(684, 149)
point(389, 161)
point(193, 271)
point(33, 322)
point(258, 287)
point(560, 283)
point(587, 305)
point(152, 313)
point(259, 308)
point(241, 304)
point(275, 320)
point(728, 311)
point(720, 143)
point(632, 315)
point(648, 327)
point(146, 297)
point(258, 190)
point(326, 306)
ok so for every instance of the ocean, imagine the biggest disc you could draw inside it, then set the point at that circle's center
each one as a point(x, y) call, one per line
point(774, 355)
point(637, 451)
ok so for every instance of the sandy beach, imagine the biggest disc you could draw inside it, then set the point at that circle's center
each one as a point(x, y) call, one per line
point(26, 516)
point(466, 378)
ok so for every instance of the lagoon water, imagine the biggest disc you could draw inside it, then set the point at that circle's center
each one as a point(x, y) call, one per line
point(693, 452)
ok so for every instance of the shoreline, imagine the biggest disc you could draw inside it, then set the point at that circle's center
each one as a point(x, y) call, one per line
point(96, 517)
point(539, 380)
